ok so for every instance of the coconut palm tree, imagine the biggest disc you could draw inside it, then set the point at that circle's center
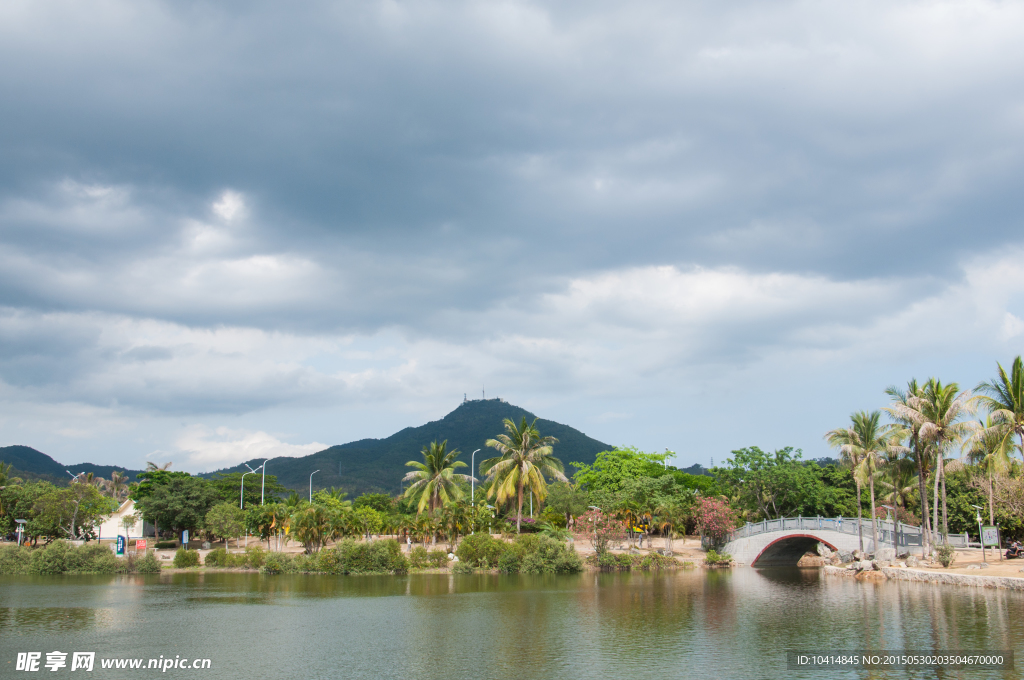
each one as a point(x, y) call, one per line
point(863, 447)
point(525, 457)
point(435, 480)
point(152, 467)
point(1003, 398)
point(990, 449)
point(899, 412)
point(937, 411)
point(118, 484)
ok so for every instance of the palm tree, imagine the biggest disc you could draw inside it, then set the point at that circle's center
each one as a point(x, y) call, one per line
point(118, 484)
point(525, 458)
point(937, 410)
point(990, 449)
point(152, 467)
point(900, 412)
point(435, 480)
point(1004, 400)
point(863, 447)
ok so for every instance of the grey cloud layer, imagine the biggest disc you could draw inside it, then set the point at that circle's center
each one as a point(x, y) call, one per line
point(216, 208)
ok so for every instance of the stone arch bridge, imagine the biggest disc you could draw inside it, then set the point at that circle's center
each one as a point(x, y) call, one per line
point(782, 542)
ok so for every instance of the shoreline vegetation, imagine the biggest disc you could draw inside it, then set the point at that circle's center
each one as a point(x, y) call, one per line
point(932, 464)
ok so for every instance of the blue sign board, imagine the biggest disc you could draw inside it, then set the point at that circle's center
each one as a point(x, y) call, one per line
point(184, 536)
point(120, 545)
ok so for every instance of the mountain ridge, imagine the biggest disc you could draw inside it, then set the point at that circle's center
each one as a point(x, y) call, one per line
point(379, 464)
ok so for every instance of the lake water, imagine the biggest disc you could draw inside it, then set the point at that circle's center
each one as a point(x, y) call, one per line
point(688, 624)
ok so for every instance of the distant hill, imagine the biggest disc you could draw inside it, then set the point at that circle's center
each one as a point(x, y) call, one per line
point(31, 464)
point(379, 464)
point(696, 469)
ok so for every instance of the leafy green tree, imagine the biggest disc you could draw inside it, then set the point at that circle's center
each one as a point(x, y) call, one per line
point(178, 502)
point(612, 468)
point(74, 510)
point(225, 520)
point(524, 459)
point(381, 502)
point(434, 481)
point(568, 499)
point(333, 500)
point(368, 520)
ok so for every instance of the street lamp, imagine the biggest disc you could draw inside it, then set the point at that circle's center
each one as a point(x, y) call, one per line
point(241, 494)
point(981, 536)
point(311, 485)
point(895, 516)
point(472, 476)
point(74, 477)
point(263, 484)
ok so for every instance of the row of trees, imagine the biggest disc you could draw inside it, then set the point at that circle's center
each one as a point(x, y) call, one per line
point(932, 435)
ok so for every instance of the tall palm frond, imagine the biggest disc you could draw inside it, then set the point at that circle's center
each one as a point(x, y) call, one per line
point(435, 480)
point(524, 459)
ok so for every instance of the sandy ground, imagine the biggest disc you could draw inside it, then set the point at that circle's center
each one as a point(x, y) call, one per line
point(1011, 568)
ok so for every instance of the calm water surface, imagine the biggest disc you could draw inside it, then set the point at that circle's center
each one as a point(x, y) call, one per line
point(691, 624)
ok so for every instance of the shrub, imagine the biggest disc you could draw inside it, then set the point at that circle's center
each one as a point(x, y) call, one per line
point(278, 563)
point(715, 559)
point(92, 558)
point(217, 558)
point(549, 556)
point(418, 557)
point(375, 557)
point(255, 555)
point(463, 568)
point(147, 564)
point(165, 545)
point(437, 559)
point(511, 560)
point(52, 559)
point(186, 559)
point(14, 559)
point(714, 519)
point(611, 562)
point(946, 555)
point(480, 550)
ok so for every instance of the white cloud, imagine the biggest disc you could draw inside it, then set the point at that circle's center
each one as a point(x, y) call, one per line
point(231, 206)
point(224, 447)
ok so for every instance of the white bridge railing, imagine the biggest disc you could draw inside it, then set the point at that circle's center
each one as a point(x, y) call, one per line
point(889, 533)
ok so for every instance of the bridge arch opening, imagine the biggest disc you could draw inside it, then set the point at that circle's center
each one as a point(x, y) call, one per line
point(786, 551)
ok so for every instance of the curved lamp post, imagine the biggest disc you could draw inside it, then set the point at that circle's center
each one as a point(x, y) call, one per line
point(472, 476)
point(241, 494)
point(311, 485)
point(263, 484)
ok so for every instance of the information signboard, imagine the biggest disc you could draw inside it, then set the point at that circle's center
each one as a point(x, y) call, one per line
point(140, 544)
point(990, 537)
point(184, 536)
point(120, 545)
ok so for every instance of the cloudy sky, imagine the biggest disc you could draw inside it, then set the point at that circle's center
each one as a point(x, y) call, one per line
point(241, 228)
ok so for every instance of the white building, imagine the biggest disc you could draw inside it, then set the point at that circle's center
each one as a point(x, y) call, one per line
point(111, 527)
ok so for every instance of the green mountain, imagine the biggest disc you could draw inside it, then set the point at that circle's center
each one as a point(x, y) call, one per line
point(31, 464)
point(379, 464)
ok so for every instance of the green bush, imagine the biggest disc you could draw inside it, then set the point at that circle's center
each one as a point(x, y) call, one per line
point(551, 557)
point(186, 559)
point(216, 558)
point(14, 559)
point(165, 545)
point(52, 559)
point(608, 561)
point(946, 555)
point(715, 559)
point(92, 558)
point(278, 563)
point(255, 555)
point(375, 557)
point(418, 557)
point(463, 568)
point(147, 564)
point(511, 560)
point(480, 550)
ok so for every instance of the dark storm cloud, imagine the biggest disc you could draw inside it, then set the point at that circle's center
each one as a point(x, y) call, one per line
point(474, 136)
